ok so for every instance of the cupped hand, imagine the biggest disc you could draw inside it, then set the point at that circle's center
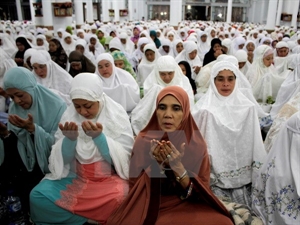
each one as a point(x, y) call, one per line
point(26, 124)
point(92, 129)
point(69, 130)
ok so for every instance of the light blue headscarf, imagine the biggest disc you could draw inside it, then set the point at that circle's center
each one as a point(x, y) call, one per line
point(46, 110)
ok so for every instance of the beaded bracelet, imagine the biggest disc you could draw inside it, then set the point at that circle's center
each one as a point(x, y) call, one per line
point(188, 191)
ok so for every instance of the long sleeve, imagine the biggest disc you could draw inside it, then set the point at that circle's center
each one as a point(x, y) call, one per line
point(68, 150)
point(101, 143)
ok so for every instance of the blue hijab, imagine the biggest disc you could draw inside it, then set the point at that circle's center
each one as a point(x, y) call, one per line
point(46, 110)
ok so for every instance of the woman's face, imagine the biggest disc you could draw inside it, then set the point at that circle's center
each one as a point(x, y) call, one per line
point(85, 108)
point(282, 52)
point(105, 68)
point(193, 54)
point(179, 47)
point(142, 47)
point(20, 97)
point(241, 64)
point(169, 113)
point(171, 37)
point(241, 46)
point(79, 48)
point(213, 33)
point(225, 82)
point(59, 34)
point(100, 34)
point(250, 47)
point(20, 46)
point(119, 63)
point(52, 46)
point(40, 70)
point(68, 40)
point(183, 68)
point(166, 48)
point(77, 66)
point(203, 38)
point(268, 60)
point(93, 41)
point(166, 76)
point(217, 47)
point(150, 55)
point(39, 42)
point(136, 32)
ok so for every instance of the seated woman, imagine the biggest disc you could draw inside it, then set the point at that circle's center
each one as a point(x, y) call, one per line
point(68, 43)
point(169, 170)
point(57, 53)
point(118, 84)
point(229, 123)
point(79, 63)
point(147, 63)
point(89, 163)
point(165, 73)
point(186, 70)
point(189, 54)
point(51, 75)
point(94, 46)
point(263, 76)
point(214, 51)
point(122, 62)
point(26, 141)
point(277, 190)
point(41, 42)
point(22, 45)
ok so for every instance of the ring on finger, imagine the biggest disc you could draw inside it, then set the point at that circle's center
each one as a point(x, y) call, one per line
point(168, 156)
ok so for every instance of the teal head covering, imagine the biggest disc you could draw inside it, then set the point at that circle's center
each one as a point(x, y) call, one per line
point(46, 110)
point(117, 55)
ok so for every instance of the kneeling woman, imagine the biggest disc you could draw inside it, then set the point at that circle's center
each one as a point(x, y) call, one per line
point(89, 162)
point(169, 170)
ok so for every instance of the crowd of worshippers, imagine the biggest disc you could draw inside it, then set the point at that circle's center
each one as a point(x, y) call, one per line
point(144, 123)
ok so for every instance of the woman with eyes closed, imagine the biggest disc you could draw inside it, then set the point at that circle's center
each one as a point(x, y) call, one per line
point(89, 163)
point(26, 140)
point(118, 84)
point(229, 123)
point(51, 75)
point(166, 72)
point(169, 170)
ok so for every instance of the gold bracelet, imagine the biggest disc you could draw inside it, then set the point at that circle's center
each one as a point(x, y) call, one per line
point(180, 178)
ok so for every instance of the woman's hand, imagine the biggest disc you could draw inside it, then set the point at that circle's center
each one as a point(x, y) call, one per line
point(91, 129)
point(3, 130)
point(166, 152)
point(217, 53)
point(197, 69)
point(69, 130)
point(26, 124)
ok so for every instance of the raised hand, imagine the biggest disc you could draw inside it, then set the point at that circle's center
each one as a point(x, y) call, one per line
point(69, 130)
point(26, 124)
point(92, 130)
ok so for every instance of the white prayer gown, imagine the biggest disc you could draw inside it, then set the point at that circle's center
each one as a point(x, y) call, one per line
point(231, 129)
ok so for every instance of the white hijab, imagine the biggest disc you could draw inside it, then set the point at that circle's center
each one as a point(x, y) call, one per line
point(145, 67)
point(189, 46)
point(116, 128)
point(153, 84)
point(68, 47)
point(230, 126)
point(120, 86)
point(264, 80)
point(57, 79)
